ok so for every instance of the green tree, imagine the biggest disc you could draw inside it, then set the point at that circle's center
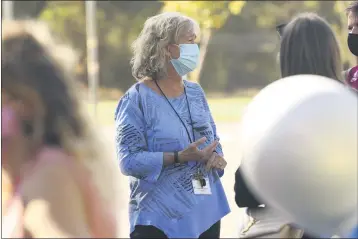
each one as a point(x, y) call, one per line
point(118, 23)
point(67, 20)
point(269, 13)
point(245, 49)
point(210, 16)
point(243, 43)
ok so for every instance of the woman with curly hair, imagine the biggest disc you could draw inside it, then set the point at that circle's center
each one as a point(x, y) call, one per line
point(166, 137)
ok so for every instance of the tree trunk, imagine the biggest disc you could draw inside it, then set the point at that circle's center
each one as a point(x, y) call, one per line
point(204, 43)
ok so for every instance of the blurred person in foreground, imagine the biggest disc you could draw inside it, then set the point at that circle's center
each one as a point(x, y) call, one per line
point(351, 75)
point(308, 46)
point(166, 137)
point(301, 155)
point(59, 181)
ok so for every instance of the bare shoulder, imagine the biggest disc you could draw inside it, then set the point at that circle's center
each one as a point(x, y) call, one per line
point(54, 163)
point(50, 159)
point(53, 196)
point(52, 154)
point(52, 173)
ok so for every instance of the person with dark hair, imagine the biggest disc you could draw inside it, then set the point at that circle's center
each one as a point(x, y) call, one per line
point(58, 181)
point(351, 75)
point(308, 46)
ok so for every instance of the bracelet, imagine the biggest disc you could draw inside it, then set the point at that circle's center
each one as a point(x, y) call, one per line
point(176, 157)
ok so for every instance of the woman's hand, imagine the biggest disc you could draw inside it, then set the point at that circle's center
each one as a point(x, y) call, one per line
point(216, 161)
point(192, 153)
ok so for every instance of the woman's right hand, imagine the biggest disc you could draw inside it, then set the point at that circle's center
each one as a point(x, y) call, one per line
point(192, 153)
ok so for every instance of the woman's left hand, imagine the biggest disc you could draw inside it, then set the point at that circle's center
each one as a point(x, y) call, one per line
point(216, 161)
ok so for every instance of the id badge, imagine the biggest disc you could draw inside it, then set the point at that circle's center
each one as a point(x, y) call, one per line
point(201, 188)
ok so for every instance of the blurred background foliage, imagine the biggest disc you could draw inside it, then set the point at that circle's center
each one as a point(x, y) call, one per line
point(239, 44)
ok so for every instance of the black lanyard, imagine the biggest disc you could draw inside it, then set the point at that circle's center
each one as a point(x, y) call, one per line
point(187, 102)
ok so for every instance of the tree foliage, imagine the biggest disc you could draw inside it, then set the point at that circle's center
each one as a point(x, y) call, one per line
point(209, 14)
point(239, 37)
point(118, 24)
point(250, 59)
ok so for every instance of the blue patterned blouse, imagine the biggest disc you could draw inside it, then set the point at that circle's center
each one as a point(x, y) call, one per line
point(147, 126)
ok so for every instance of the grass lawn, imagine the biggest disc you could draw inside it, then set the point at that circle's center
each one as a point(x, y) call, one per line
point(228, 109)
point(223, 109)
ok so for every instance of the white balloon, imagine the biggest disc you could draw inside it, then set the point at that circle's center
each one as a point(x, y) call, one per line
point(299, 146)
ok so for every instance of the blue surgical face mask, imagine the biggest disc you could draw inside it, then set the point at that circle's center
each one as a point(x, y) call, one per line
point(188, 59)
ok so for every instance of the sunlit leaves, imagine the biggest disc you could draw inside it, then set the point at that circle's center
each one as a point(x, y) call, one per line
point(236, 6)
point(311, 4)
point(209, 14)
point(64, 17)
point(340, 6)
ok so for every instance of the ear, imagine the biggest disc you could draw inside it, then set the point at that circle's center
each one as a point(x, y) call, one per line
point(174, 51)
point(171, 49)
point(167, 52)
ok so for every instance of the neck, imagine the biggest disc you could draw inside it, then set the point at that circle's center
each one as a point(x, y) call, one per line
point(172, 85)
point(173, 80)
point(173, 77)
